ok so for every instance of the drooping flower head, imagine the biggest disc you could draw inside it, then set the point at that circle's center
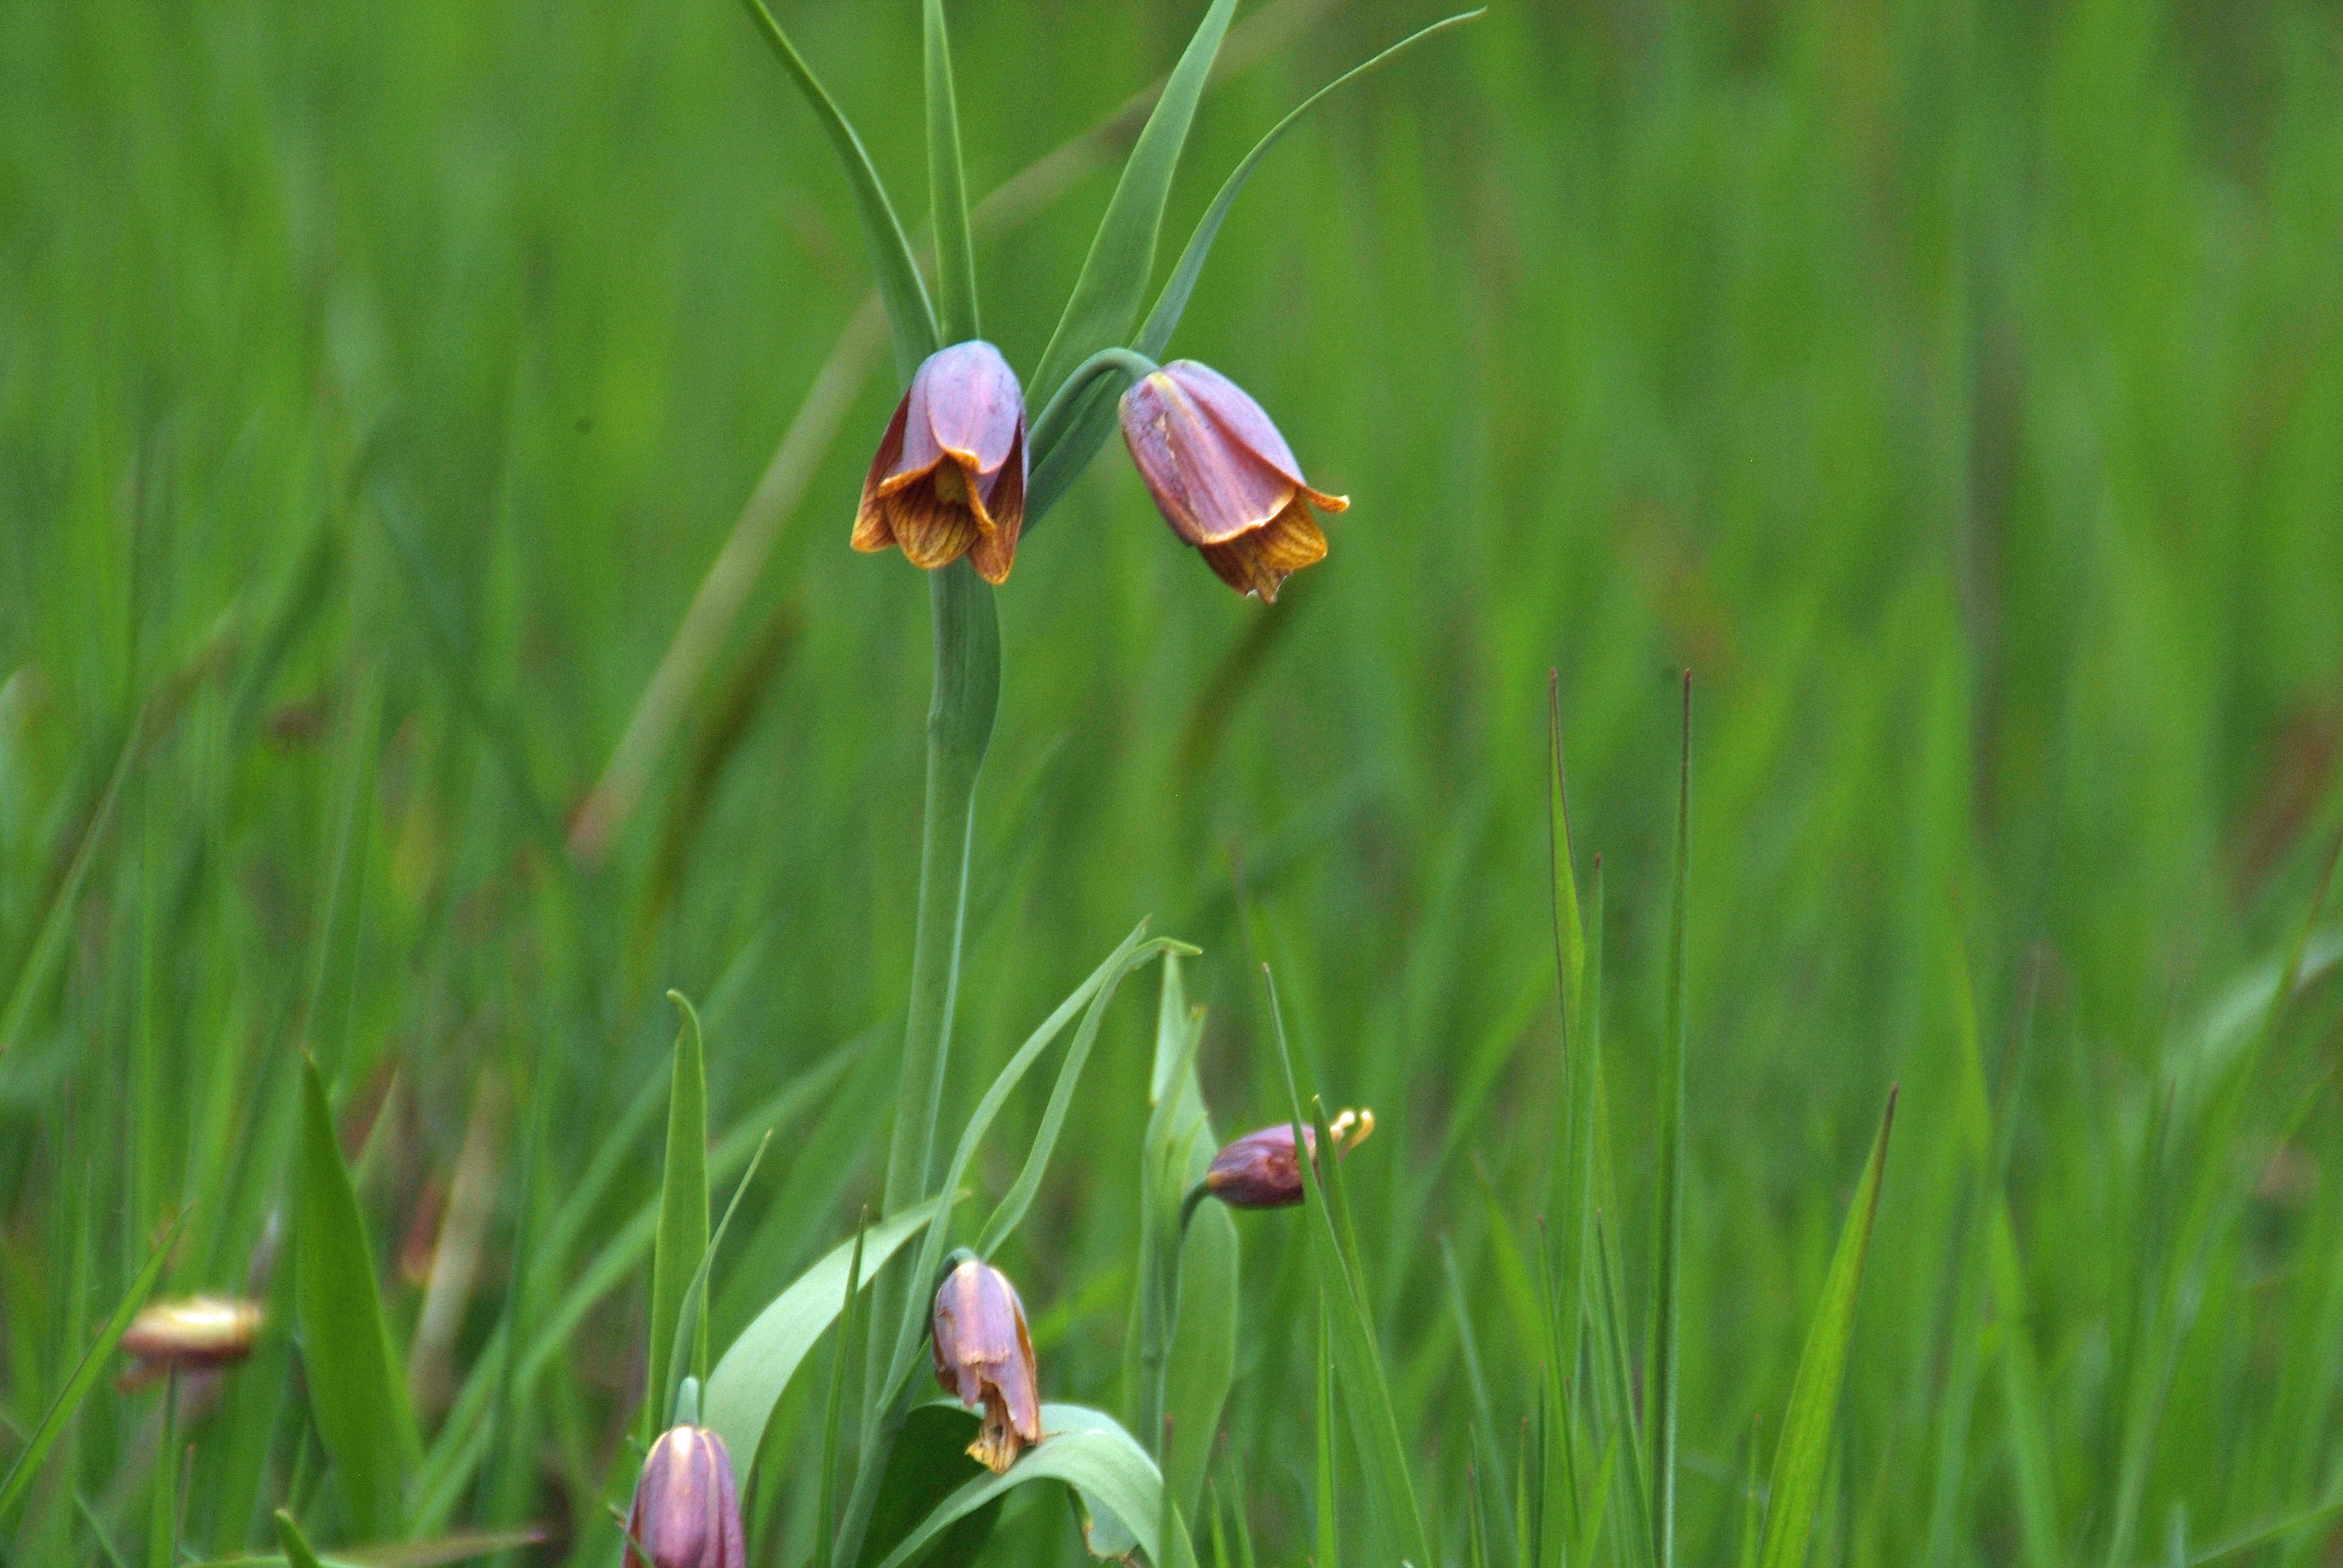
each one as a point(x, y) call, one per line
point(194, 1333)
point(1259, 1170)
point(948, 478)
point(984, 1356)
point(1224, 478)
point(687, 1511)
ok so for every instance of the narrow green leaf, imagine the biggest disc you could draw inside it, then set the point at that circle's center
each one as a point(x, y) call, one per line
point(1366, 1392)
point(357, 1396)
point(86, 1374)
point(1019, 1198)
point(682, 1236)
point(751, 1376)
point(1614, 1399)
point(297, 1545)
point(1569, 934)
point(930, 1462)
point(1803, 1451)
point(1187, 1299)
point(948, 187)
point(689, 1356)
point(909, 318)
point(1156, 334)
point(1662, 1394)
point(1096, 991)
point(1329, 1517)
point(833, 1421)
point(1086, 1450)
point(1064, 448)
point(1114, 276)
point(447, 1549)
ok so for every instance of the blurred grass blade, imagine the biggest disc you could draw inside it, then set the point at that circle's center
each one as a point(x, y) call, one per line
point(1156, 334)
point(1662, 1396)
point(682, 1236)
point(1114, 276)
point(56, 922)
point(909, 320)
point(1358, 1362)
point(948, 187)
point(357, 1397)
point(1803, 1454)
point(751, 1375)
point(1614, 1399)
point(297, 1551)
point(86, 1373)
point(1086, 1450)
point(1328, 1516)
point(1569, 932)
point(833, 1421)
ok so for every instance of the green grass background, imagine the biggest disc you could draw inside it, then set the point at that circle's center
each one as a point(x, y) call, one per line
point(1954, 385)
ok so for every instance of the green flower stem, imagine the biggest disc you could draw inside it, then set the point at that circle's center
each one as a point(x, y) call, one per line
point(960, 729)
point(1049, 428)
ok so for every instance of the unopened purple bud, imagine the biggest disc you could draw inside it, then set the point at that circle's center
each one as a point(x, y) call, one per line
point(686, 1511)
point(1259, 1170)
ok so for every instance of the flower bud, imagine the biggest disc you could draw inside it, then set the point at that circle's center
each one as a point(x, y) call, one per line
point(948, 478)
point(686, 1511)
point(191, 1334)
point(984, 1356)
point(1224, 478)
point(1259, 1170)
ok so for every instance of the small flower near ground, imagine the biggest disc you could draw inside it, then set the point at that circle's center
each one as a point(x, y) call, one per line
point(1224, 478)
point(687, 1510)
point(1259, 1170)
point(948, 478)
point(984, 1356)
point(193, 1334)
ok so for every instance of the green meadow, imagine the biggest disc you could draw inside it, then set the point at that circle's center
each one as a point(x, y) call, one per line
point(429, 437)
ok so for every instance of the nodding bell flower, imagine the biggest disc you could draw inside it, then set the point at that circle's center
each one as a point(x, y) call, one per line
point(984, 1356)
point(1224, 478)
point(686, 1511)
point(1259, 1170)
point(196, 1334)
point(949, 476)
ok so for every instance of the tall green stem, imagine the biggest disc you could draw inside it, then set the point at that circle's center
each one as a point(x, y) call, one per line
point(959, 728)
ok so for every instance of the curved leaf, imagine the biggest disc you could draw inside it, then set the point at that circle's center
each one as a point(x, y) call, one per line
point(1157, 333)
point(948, 187)
point(682, 1236)
point(750, 1379)
point(1795, 1487)
point(1085, 1449)
point(84, 1373)
point(355, 1394)
point(930, 1461)
point(1121, 258)
point(909, 317)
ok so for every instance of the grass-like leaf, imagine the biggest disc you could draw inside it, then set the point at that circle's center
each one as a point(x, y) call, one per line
point(948, 187)
point(752, 1374)
point(1114, 276)
point(930, 1462)
point(682, 1236)
point(910, 321)
point(1096, 992)
point(1186, 1303)
point(357, 1396)
point(1155, 336)
point(1803, 1454)
point(1662, 1394)
point(1357, 1361)
point(1086, 1450)
point(297, 1550)
point(85, 1374)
